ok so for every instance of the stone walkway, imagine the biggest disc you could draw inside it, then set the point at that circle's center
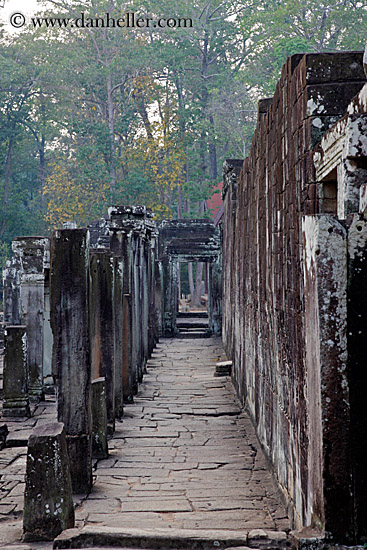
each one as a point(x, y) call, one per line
point(185, 460)
point(185, 457)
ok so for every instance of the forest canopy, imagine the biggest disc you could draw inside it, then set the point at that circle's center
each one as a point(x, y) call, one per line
point(95, 115)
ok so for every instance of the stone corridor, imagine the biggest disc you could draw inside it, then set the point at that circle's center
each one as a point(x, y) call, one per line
point(184, 462)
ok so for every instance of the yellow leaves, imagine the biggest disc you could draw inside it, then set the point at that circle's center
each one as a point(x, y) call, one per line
point(69, 199)
point(162, 160)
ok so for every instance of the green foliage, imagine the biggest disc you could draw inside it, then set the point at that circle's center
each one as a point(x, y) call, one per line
point(96, 115)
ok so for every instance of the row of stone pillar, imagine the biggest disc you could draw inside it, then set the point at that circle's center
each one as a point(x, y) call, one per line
point(104, 323)
point(100, 310)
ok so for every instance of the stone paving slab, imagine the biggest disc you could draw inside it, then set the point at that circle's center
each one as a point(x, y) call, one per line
point(184, 458)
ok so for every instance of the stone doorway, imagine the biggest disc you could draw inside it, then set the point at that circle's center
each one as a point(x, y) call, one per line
point(181, 242)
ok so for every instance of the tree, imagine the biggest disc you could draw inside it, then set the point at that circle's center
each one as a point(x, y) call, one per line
point(278, 29)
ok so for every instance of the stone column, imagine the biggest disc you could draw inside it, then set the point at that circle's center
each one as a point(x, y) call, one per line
point(119, 339)
point(15, 391)
point(99, 419)
point(169, 291)
point(71, 353)
point(152, 322)
point(102, 325)
point(31, 253)
point(11, 300)
point(136, 326)
point(121, 247)
point(48, 379)
point(145, 300)
point(128, 228)
point(357, 365)
point(48, 501)
point(215, 297)
point(327, 391)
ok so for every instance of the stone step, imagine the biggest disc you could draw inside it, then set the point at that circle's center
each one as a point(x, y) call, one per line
point(171, 539)
point(194, 334)
point(193, 314)
point(181, 325)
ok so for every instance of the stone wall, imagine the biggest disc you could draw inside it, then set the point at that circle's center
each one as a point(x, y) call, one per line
point(285, 278)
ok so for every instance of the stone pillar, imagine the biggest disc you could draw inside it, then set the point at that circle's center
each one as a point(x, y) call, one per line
point(158, 277)
point(15, 391)
point(129, 226)
point(48, 378)
point(152, 328)
point(215, 297)
point(119, 339)
point(71, 352)
point(102, 325)
point(31, 253)
point(11, 300)
point(357, 361)
point(48, 501)
point(99, 419)
point(136, 325)
point(145, 301)
point(169, 290)
point(327, 391)
point(121, 247)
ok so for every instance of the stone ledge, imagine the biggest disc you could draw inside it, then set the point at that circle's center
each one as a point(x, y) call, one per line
point(153, 539)
point(177, 539)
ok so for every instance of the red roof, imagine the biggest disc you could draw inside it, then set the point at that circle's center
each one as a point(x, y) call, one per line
point(215, 202)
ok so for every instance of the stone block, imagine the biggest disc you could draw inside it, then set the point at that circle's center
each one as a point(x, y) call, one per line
point(223, 368)
point(80, 456)
point(11, 296)
point(48, 502)
point(33, 255)
point(330, 99)
point(15, 391)
point(69, 284)
point(321, 68)
point(102, 324)
point(3, 435)
point(99, 419)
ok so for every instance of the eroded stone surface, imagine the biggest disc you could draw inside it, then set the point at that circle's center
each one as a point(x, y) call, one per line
point(185, 456)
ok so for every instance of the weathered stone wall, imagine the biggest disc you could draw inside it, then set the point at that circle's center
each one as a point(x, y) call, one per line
point(341, 157)
point(285, 281)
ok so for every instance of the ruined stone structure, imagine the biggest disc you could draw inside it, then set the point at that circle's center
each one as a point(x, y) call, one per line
point(25, 288)
point(294, 269)
point(85, 309)
point(189, 241)
point(88, 303)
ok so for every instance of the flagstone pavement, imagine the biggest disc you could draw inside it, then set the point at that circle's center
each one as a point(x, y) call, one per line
point(185, 456)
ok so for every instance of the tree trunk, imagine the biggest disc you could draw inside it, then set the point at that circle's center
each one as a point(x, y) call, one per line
point(42, 171)
point(111, 127)
point(213, 166)
point(195, 298)
point(6, 186)
point(190, 269)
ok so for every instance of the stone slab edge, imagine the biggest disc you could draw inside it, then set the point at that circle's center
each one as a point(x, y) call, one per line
point(173, 539)
point(310, 539)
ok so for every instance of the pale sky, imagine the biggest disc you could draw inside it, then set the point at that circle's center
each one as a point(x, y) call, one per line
point(27, 7)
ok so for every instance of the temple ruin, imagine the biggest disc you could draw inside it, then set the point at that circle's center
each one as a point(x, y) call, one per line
point(287, 261)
